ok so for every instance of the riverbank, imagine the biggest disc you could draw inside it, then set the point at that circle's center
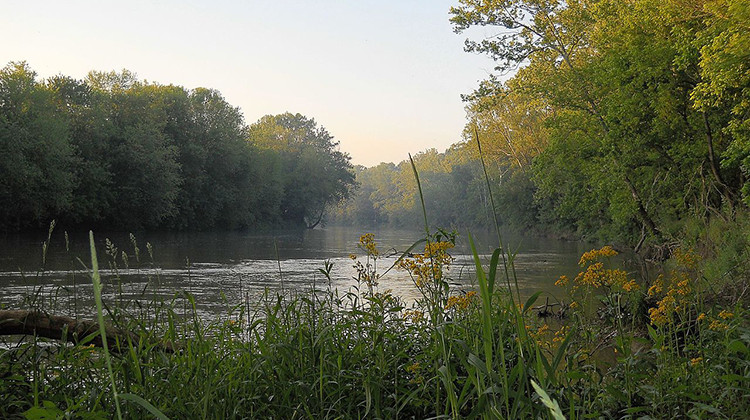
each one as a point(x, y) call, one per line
point(671, 348)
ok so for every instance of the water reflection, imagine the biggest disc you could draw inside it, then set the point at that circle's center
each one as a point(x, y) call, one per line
point(224, 269)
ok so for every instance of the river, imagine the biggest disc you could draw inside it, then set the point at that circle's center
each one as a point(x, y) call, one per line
point(222, 269)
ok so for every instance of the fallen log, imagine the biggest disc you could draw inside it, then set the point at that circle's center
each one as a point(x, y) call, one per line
point(544, 311)
point(56, 327)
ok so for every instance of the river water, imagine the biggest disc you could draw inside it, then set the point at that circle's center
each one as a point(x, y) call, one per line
point(223, 269)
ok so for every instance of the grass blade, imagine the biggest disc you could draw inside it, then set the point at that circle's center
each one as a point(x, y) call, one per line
point(96, 279)
point(145, 404)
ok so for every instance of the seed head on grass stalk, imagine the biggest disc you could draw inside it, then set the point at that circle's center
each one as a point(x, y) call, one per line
point(96, 279)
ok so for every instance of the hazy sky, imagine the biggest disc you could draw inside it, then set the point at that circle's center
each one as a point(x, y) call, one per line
point(384, 77)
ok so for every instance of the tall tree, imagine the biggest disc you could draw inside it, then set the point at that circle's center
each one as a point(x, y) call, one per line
point(36, 158)
point(142, 159)
point(316, 174)
point(629, 147)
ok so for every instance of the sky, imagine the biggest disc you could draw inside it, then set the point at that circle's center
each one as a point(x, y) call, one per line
point(385, 77)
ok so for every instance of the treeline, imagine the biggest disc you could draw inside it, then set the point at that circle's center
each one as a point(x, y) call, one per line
point(387, 194)
point(117, 152)
point(626, 121)
point(454, 189)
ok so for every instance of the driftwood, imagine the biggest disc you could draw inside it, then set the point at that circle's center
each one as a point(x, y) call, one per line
point(545, 311)
point(41, 324)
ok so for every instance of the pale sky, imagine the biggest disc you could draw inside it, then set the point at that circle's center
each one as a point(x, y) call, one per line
point(383, 77)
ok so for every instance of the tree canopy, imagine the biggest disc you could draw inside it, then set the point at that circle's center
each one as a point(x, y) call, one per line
point(316, 174)
point(630, 116)
point(119, 152)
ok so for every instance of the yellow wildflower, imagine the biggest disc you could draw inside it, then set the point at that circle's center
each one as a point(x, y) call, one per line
point(686, 258)
point(595, 254)
point(717, 325)
point(630, 286)
point(414, 316)
point(560, 335)
point(460, 302)
point(696, 361)
point(413, 368)
point(430, 265)
point(367, 242)
point(658, 316)
point(724, 314)
point(562, 281)
point(657, 287)
point(701, 317)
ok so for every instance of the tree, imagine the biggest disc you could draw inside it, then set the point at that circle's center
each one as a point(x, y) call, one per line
point(86, 113)
point(315, 174)
point(36, 158)
point(142, 159)
point(633, 142)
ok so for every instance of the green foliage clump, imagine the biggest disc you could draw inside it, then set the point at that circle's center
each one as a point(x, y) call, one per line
point(631, 117)
point(115, 151)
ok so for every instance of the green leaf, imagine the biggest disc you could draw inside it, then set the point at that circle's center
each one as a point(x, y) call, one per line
point(493, 269)
point(48, 411)
point(551, 404)
point(737, 346)
point(530, 301)
point(145, 404)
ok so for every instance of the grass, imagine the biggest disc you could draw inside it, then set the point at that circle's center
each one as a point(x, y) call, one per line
point(367, 354)
point(668, 347)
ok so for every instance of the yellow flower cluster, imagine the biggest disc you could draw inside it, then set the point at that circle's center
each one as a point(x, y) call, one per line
point(631, 286)
point(687, 259)
point(560, 334)
point(597, 276)
point(460, 302)
point(367, 242)
point(539, 334)
point(676, 298)
point(428, 266)
point(595, 254)
point(696, 361)
point(415, 369)
point(413, 315)
point(724, 314)
point(717, 325)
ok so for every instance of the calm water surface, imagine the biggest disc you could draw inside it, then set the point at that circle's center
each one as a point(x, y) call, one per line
point(222, 269)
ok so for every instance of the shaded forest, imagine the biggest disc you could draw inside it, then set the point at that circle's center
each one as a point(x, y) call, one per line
point(117, 152)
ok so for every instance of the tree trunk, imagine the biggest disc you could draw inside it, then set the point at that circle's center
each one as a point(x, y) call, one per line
point(714, 167)
point(642, 213)
point(25, 322)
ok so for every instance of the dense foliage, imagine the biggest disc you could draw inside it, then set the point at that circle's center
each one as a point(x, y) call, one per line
point(622, 120)
point(118, 152)
point(641, 112)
